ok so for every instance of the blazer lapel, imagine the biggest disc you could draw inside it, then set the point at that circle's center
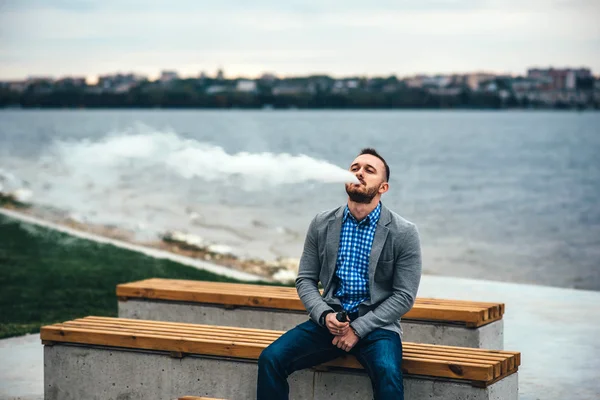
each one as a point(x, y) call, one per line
point(332, 242)
point(381, 234)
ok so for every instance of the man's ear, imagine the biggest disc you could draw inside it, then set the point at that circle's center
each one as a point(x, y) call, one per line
point(384, 187)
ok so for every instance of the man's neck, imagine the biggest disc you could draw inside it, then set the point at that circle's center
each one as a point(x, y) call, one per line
point(361, 210)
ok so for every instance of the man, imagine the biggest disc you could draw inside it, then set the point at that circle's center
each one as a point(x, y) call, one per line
point(368, 260)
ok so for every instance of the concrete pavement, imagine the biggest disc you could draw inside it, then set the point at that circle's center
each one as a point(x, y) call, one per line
point(556, 330)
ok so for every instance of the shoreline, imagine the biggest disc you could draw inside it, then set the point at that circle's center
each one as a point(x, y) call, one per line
point(117, 239)
point(220, 261)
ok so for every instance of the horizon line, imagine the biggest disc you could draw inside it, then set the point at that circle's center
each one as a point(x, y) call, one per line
point(156, 76)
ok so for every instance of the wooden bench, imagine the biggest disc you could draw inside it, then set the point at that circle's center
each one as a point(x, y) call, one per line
point(433, 321)
point(102, 357)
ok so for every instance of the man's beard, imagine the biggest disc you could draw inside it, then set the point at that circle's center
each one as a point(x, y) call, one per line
point(361, 197)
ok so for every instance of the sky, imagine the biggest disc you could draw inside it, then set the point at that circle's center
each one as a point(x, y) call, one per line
point(340, 38)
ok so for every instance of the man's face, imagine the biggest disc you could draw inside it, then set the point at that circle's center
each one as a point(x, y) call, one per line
point(370, 171)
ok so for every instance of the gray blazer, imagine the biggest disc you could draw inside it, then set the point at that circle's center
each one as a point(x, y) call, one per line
point(394, 270)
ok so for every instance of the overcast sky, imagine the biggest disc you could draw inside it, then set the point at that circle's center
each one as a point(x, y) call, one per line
point(349, 37)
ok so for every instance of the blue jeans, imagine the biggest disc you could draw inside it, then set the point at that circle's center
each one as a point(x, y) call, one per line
point(309, 344)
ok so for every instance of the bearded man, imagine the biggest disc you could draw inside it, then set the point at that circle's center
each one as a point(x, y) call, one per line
point(368, 260)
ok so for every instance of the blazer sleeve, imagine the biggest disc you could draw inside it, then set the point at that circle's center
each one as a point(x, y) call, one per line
point(407, 276)
point(308, 275)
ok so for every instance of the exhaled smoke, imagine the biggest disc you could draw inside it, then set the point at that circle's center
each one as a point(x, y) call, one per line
point(190, 158)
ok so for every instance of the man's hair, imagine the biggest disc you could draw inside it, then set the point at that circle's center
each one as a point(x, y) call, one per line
point(374, 152)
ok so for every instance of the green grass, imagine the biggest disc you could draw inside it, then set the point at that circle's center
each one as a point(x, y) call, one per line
point(47, 276)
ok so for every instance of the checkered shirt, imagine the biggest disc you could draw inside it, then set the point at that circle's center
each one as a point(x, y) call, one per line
point(352, 266)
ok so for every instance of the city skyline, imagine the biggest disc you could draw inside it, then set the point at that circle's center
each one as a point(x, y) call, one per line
point(91, 38)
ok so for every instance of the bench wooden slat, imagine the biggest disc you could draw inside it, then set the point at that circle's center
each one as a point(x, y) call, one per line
point(259, 337)
point(273, 334)
point(179, 324)
point(197, 398)
point(472, 314)
point(497, 361)
point(418, 359)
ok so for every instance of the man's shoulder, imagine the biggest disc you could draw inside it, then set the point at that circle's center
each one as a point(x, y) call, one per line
point(399, 223)
point(324, 216)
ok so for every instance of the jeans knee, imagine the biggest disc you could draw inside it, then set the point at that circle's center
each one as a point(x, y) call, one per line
point(268, 358)
point(388, 373)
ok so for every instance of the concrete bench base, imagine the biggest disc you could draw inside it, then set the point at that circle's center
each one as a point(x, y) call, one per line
point(74, 372)
point(490, 336)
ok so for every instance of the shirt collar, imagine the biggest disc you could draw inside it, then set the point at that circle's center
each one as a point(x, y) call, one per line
point(372, 219)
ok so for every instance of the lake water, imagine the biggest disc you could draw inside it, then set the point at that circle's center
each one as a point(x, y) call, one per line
point(512, 196)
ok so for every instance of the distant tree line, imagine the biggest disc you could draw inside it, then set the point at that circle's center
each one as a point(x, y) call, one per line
point(188, 96)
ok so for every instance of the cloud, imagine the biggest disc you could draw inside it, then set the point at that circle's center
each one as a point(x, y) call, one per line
point(296, 36)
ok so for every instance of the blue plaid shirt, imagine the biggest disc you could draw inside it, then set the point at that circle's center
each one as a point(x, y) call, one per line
point(352, 267)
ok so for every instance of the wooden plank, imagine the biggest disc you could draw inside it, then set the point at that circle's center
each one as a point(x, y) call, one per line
point(470, 313)
point(133, 331)
point(198, 398)
point(152, 342)
point(431, 368)
point(180, 339)
point(179, 324)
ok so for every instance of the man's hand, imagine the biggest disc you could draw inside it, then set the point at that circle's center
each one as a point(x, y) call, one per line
point(347, 341)
point(336, 327)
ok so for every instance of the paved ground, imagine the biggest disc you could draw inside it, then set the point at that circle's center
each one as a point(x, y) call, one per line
point(22, 368)
point(557, 331)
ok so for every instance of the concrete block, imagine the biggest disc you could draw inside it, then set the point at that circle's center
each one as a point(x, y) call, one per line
point(73, 372)
point(489, 336)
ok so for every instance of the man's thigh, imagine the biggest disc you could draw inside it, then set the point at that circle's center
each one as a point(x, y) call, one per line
point(380, 350)
point(304, 346)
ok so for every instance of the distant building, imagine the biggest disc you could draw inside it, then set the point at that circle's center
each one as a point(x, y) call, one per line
point(71, 82)
point(490, 86)
point(268, 77)
point(288, 89)
point(95, 89)
point(474, 80)
point(414, 82)
point(389, 88)
point(168, 76)
point(214, 89)
point(39, 79)
point(561, 79)
point(522, 87)
point(438, 81)
point(109, 83)
point(445, 91)
point(39, 84)
point(17, 86)
point(246, 86)
point(220, 75)
point(124, 87)
point(345, 85)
